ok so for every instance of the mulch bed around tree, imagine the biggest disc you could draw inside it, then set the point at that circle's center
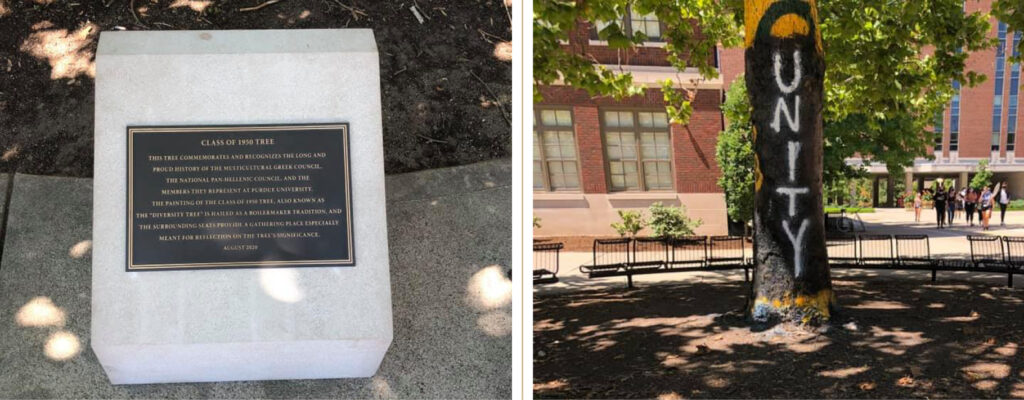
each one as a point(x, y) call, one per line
point(446, 83)
point(892, 339)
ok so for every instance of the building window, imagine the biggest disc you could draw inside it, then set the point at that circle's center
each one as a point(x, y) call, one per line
point(997, 101)
point(1011, 120)
point(938, 131)
point(632, 22)
point(554, 151)
point(954, 118)
point(638, 149)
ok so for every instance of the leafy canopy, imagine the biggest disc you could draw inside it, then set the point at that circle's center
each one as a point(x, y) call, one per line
point(882, 87)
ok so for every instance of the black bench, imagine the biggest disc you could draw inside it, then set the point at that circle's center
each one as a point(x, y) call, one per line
point(545, 262)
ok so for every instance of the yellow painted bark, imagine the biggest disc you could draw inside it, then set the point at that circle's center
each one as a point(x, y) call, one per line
point(785, 27)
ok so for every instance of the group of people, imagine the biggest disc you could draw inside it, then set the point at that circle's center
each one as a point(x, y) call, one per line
point(949, 204)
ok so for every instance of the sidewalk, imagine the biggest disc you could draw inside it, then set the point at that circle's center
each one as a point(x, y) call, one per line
point(950, 242)
point(450, 242)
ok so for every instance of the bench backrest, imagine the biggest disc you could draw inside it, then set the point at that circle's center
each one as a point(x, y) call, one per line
point(688, 250)
point(545, 257)
point(842, 249)
point(726, 249)
point(611, 251)
point(986, 249)
point(875, 249)
point(913, 248)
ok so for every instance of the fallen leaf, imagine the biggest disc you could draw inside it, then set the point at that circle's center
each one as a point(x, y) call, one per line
point(867, 386)
point(905, 381)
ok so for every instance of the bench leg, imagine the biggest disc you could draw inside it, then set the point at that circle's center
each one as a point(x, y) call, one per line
point(1009, 280)
point(933, 275)
point(746, 277)
point(629, 280)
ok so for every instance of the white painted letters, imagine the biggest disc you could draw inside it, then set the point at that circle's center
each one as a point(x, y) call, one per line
point(794, 150)
point(792, 192)
point(798, 246)
point(782, 108)
point(797, 73)
point(793, 122)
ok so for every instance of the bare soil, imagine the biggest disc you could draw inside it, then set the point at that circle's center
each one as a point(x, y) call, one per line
point(446, 94)
point(890, 339)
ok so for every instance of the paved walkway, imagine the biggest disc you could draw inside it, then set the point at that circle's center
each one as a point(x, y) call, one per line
point(944, 242)
point(450, 242)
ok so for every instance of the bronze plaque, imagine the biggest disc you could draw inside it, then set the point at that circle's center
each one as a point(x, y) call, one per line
point(248, 196)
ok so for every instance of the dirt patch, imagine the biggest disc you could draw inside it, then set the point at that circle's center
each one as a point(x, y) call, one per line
point(892, 339)
point(446, 83)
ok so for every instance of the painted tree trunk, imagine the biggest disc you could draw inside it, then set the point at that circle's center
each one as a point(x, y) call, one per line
point(785, 72)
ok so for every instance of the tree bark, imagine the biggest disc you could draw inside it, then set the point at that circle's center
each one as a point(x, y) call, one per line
point(785, 72)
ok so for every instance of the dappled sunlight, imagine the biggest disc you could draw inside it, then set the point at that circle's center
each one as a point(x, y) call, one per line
point(381, 388)
point(879, 305)
point(844, 372)
point(503, 51)
point(496, 323)
point(40, 312)
point(281, 284)
point(70, 53)
point(895, 342)
point(890, 339)
point(489, 288)
point(62, 345)
point(548, 325)
point(196, 5)
point(550, 385)
point(670, 396)
point(80, 249)
point(3, 9)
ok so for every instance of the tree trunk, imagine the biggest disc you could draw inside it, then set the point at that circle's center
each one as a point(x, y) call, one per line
point(785, 73)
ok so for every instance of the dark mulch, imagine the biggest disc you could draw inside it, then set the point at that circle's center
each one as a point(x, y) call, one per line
point(892, 339)
point(436, 112)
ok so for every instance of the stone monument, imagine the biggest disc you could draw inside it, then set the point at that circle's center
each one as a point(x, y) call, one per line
point(239, 221)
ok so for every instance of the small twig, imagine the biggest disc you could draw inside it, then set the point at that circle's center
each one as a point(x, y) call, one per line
point(399, 71)
point(504, 112)
point(165, 24)
point(106, 4)
point(431, 140)
point(131, 7)
point(352, 10)
point(416, 13)
point(486, 34)
point(254, 8)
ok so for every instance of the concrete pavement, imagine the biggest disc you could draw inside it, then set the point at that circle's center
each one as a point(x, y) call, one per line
point(450, 244)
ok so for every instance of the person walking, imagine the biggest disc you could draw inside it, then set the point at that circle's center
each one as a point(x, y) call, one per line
point(953, 202)
point(917, 206)
point(1003, 199)
point(986, 207)
point(939, 198)
point(960, 197)
point(970, 203)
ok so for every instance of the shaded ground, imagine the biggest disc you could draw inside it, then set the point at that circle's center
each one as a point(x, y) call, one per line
point(446, 95)
point(893, 339)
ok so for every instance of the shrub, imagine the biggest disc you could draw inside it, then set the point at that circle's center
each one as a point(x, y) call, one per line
point(671, 222)
point(632, 222)
point(536, 221)
point(1017, 204)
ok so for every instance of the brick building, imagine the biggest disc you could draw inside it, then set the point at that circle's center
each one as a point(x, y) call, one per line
point(582, 175)
point(980, 123)
point(595, 156)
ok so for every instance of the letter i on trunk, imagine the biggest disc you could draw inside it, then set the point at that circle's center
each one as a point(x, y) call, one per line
point(785, 72)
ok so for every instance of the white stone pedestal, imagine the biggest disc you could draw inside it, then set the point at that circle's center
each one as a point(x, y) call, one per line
point(241, 324)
